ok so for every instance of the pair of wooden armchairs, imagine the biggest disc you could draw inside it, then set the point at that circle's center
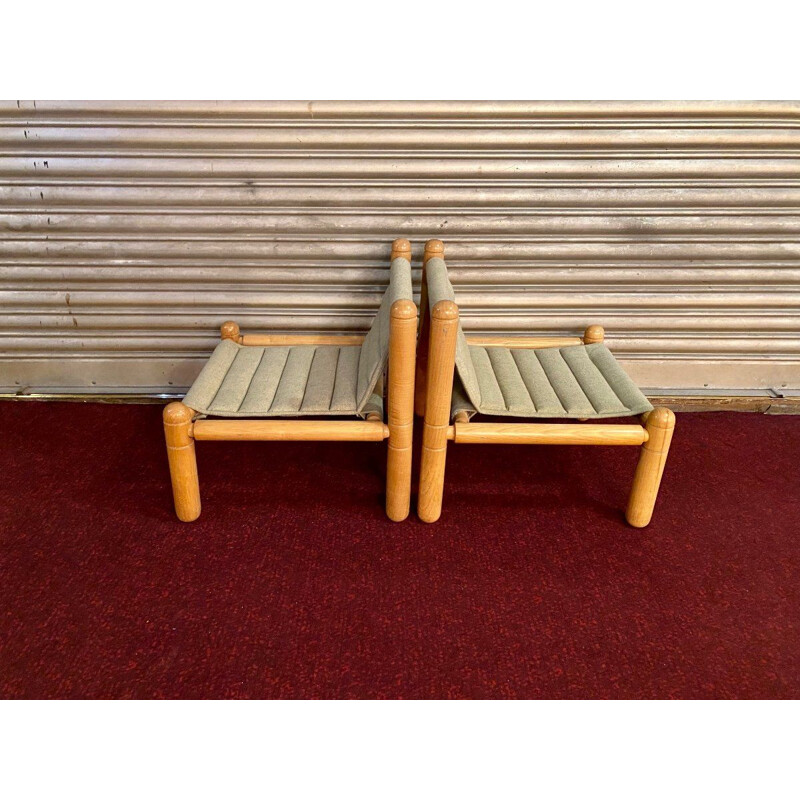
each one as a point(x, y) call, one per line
point(443, 375)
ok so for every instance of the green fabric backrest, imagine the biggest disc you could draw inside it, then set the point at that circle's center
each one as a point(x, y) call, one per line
point(375, 349)
point(573, 381)
point(440, 288)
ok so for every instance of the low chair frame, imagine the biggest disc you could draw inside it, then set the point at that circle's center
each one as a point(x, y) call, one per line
point(433, 394)
point(182, 430)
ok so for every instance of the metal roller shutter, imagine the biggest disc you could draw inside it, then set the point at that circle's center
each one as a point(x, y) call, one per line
point(130, 231)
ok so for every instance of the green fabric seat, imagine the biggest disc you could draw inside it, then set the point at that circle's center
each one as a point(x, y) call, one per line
point(577, 381)
point(302, 380)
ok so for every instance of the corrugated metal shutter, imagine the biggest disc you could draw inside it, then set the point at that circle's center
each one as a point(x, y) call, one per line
point(130, 231)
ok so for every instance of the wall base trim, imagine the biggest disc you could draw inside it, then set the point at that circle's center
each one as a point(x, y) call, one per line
point(760, 404)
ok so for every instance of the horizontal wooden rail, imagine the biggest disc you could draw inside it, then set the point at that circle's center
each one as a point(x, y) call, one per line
point(547, 433)
point(288, 339)
point(288, 430)
point(527, 342)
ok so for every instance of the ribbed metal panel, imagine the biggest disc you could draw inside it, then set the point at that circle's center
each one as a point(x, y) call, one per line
point(130, 231)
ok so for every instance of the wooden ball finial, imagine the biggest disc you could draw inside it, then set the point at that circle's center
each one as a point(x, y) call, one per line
point(593, 334)
point(661, 417)
point(445, 310)
point(434, 248)
point(230, 330)
point(401, 248)
point(177, 414)
point(403, 309)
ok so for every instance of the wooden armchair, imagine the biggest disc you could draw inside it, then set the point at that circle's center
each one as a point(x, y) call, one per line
point(250, 379)
point(569, 378)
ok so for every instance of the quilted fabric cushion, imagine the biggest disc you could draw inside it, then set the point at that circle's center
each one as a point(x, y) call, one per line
point(304, 380)
point(575, 381)
point(240, 381)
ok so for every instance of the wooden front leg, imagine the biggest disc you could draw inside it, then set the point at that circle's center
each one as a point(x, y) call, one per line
point(660, 424)
point(182, 461)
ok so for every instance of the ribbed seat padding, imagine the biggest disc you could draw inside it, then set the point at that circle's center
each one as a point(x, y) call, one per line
point(304, 380)
point(576, 381)
point(295, 381)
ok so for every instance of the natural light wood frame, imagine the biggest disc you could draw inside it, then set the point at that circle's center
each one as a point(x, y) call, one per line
point(433, 395)
point(182, 430)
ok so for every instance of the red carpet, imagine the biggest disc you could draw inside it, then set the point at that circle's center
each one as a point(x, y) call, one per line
point(292, 583)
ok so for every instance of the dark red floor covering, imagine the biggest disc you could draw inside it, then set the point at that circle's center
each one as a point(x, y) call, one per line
point(293, 584)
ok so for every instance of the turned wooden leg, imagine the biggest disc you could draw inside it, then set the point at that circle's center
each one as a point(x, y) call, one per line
point(400, 397)
point(660, 424)
point(182, 461)
point(433, 248)
point(441, 362)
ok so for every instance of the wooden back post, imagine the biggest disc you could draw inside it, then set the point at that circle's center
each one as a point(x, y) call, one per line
point(400, 399)
point(441, 363)
point(434, 248)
